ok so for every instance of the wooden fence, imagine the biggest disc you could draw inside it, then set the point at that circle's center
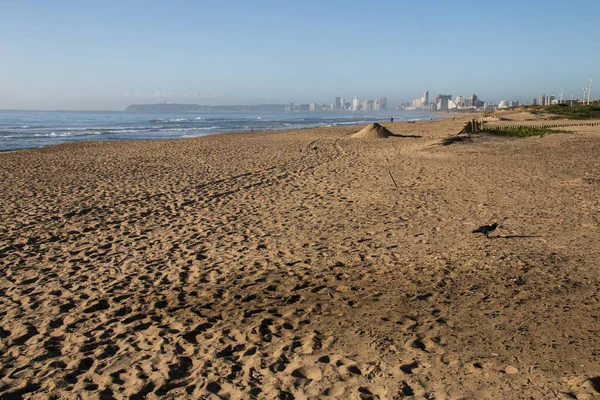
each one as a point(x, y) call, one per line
point(472, 126)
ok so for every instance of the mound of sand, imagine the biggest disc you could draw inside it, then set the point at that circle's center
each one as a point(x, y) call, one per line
point(372, 131)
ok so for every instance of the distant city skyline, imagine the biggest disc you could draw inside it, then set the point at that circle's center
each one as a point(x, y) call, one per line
point(222, 100)
point(105, 56)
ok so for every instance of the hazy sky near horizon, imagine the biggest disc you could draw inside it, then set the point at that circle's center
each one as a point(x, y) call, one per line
point(106, 55)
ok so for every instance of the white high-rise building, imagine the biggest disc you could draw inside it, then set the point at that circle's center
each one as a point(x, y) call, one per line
point(355, 104)
point(380, 104)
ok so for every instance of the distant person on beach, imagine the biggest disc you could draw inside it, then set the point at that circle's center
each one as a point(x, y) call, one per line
point(392, 120)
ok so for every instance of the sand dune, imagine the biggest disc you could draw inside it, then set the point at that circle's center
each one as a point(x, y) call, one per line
point(522, 116)
point(290, 265)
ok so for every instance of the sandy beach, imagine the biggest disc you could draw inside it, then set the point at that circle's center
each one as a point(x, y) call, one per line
point(303, 264)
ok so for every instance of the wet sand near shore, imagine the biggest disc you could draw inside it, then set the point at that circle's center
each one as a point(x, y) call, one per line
point(303, 264)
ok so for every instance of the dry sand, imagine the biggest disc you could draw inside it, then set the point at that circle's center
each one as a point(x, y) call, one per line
point(289, 265)
point(520, 116)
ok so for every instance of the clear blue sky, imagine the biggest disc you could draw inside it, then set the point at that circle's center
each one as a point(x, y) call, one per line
point(65, 54)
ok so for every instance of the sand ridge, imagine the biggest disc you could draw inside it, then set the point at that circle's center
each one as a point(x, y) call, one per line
point(289, 265)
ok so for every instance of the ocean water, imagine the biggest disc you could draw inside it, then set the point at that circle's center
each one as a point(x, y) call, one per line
point(30, 129)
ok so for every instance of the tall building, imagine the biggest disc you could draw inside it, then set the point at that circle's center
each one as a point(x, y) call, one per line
point(368, 105)
point(426, 97)
point(459, 101)
point(474, 100)
point(442, 101)
point(312, 107)
point(355, 104)
point(380, 104)
point(543, 100)
point(338, 105)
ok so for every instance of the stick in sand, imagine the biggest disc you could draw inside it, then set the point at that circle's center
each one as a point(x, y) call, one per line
point(392, 176)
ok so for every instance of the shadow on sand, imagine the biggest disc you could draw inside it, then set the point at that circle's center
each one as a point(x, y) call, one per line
point(514, 236)
point(405, 136)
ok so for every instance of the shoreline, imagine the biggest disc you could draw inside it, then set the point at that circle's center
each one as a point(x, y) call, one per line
point(210, 134)
point(304, 263)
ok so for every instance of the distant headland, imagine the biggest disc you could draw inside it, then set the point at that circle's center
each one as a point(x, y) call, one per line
point(178, 108)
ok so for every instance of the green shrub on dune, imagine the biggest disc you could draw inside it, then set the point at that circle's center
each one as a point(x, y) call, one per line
point(521, 131)
point(575, 112)
point(565, 111)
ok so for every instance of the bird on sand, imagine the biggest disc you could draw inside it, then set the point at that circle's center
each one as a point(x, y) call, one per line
point(486, 229)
